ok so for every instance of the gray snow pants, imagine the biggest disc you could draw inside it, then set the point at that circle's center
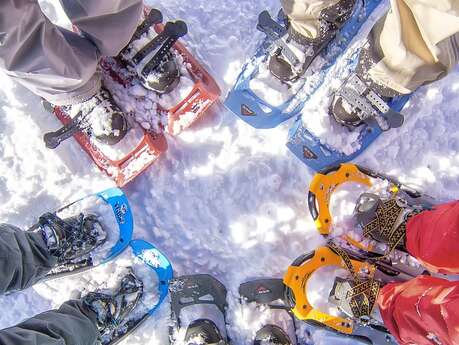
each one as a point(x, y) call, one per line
point(24, 260)
point(56, 63)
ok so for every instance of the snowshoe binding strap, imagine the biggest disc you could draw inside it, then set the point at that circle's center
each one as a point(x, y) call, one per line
point(366, 105)
point(112, 310)
point(71, 238)
point(356, 300)
point(274, 31)
point(80, 122)
point(272, 334)
point(357, 297)
point(384, 220)
point(153, 17)
point(54, 139)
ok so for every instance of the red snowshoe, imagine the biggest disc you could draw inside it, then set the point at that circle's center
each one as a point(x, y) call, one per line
point(147, 140)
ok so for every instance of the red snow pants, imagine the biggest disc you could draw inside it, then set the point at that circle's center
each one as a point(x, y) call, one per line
point(425, 310)
point(433, 238)
point(422, 311)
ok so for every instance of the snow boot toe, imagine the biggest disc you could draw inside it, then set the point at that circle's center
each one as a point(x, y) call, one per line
point(272, 335)
point(118, 130)
point(165, 77)
point(203, 332)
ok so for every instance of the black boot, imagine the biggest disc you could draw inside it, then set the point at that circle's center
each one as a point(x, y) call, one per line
point(71, 238)
point(273, 335)
point(203, 332)
point(306, 49)
point(106, 122)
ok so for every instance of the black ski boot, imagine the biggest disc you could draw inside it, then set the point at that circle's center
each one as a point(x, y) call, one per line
point(361, 99)
point(295, 53)
point(113, 309)
point(151, 58)
point(99, 117)
point(71, 238)
point(203, 332)
point(271, 335)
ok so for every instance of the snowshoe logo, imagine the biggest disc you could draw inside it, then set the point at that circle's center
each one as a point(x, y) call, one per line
point(308, 154)
point(246, 111)
point(120, 212)
point(261, 290)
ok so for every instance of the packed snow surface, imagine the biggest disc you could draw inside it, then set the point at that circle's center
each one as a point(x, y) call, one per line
point(226, 199)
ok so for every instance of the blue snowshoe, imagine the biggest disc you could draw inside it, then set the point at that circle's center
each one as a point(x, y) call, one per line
point(293, 63)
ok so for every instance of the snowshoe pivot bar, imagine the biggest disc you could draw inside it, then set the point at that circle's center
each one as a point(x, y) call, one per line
point(190, 290)
point(296, 280)
point(325, 183)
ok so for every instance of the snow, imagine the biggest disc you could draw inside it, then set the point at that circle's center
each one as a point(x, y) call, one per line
point(226, 199)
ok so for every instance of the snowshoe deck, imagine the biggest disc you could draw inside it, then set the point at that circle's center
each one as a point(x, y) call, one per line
point(246, 104)
point(203, 95)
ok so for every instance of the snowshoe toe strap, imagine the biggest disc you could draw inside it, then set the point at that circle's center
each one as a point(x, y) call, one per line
point(384, 221)
point(356, 299)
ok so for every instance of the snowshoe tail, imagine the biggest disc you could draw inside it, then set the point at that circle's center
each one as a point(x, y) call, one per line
point(262, 291)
